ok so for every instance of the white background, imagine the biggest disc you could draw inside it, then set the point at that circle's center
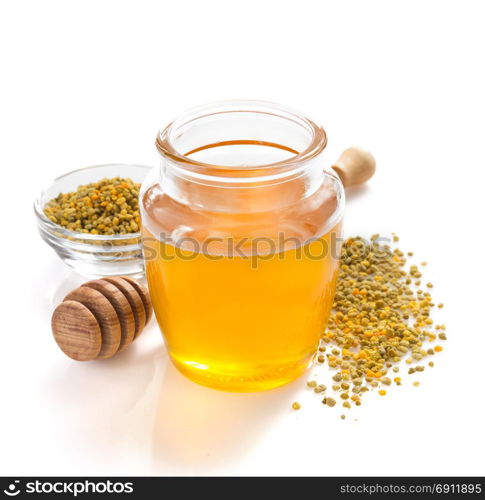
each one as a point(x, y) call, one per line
point(90, 82)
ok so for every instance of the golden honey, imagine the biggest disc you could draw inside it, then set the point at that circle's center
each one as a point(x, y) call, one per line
point(234, 324)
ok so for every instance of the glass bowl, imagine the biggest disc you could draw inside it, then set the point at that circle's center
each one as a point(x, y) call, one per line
point(92, 255)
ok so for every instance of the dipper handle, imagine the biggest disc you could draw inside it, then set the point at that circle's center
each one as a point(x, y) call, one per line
point(355, 166)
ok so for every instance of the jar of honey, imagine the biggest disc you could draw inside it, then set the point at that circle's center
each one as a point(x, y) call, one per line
point(241, 231)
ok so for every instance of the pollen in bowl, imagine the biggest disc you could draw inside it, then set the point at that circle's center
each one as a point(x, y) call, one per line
point(240, 312)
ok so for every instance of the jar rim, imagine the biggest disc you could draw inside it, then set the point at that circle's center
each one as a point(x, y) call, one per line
point(165, 137)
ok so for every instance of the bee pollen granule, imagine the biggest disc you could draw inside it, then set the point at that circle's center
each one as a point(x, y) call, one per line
point(109, 206)
point(378, 319)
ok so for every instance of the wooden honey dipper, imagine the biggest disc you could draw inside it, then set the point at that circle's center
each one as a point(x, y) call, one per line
point(355, 166)
point(101, 318)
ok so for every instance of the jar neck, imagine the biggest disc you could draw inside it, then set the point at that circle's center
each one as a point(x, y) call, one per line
point(237, 155)
point(242, 194)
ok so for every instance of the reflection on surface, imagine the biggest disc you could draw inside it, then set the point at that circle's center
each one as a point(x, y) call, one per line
point(198, 426)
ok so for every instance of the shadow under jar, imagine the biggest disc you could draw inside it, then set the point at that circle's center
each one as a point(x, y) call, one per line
point(241, 227)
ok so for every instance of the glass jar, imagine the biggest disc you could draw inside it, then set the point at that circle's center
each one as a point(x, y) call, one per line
point(241, 230)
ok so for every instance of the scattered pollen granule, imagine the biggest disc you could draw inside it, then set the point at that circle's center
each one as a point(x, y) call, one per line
point(379, 319)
